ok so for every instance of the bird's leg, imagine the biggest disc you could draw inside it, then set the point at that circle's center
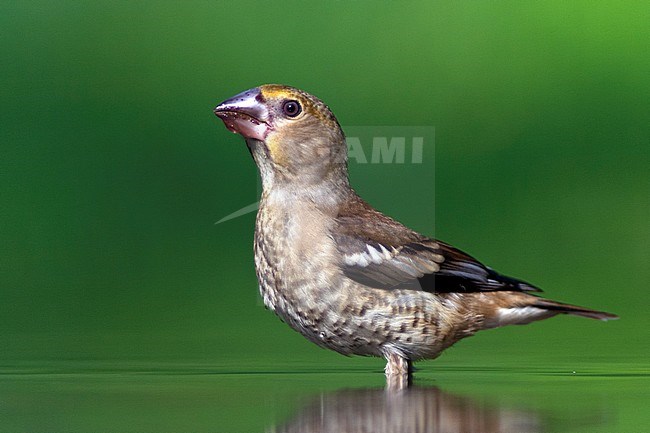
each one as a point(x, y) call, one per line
point(399, 371)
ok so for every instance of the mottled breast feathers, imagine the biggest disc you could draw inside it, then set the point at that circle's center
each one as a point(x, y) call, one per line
point(379, 252)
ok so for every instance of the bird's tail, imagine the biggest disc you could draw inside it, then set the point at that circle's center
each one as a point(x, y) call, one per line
point(516, 308)
point(561, 308)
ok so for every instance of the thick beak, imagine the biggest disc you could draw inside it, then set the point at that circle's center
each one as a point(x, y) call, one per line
point(246, 114)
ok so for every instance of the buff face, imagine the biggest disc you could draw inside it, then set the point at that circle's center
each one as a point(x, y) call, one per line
point(299, 132)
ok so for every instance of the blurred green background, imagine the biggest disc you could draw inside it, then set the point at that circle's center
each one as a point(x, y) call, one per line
point(113, 169)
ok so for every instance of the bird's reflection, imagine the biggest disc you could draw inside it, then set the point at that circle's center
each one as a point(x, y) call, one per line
point(416, 410)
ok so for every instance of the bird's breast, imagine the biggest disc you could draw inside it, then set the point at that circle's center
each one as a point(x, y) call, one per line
point(294, 260)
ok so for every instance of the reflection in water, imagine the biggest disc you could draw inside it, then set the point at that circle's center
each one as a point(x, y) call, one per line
point(416, 410)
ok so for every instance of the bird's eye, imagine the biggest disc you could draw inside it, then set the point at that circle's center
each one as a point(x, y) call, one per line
point(291, 108)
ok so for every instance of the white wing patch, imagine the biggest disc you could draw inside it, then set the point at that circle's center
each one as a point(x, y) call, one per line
point(371, 255)
point(390, 265)
point(356, 259)
point(378, 256)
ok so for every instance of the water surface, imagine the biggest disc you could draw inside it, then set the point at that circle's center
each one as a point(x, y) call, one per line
point(95, 397)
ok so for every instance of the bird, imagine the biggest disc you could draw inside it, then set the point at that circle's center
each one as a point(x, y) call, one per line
point(346, 276)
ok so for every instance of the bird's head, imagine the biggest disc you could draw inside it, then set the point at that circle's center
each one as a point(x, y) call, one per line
point(291, 134)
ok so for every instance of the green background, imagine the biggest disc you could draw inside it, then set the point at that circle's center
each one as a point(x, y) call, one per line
point(113, 172)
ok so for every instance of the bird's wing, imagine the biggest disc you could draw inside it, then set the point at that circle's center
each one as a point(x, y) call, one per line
point(379, 252)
